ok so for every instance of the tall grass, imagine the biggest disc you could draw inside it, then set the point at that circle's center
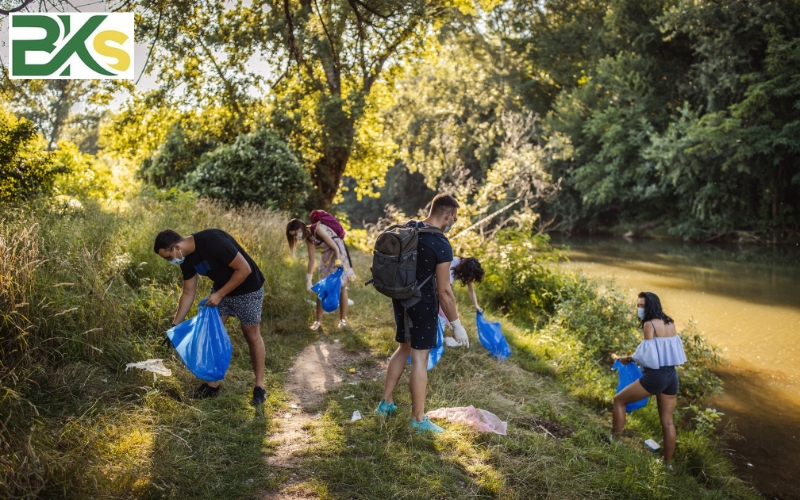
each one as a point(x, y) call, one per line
point(81, 295)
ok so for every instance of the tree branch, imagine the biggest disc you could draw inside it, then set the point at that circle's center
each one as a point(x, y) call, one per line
point(333, 79)
point(155, 41)
point(18, 8)
point(229, 88)
point(298, 56)
point(372, 11)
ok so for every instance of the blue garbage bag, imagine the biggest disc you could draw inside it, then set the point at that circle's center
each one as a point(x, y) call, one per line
point(329, 290)
point(629, 374)
point(491, 336)
point(436, 353)
point(203, 344)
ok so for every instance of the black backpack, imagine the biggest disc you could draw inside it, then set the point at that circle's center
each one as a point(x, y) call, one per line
point(394, 262)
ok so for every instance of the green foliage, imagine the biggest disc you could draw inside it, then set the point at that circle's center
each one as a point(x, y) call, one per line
point(177, 157)
point(26, 169)
point(706, 420)
point(83, 176)
point(258, 168)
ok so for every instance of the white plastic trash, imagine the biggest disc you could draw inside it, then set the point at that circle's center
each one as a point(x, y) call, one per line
point(652, 445)
point(356, 416)
point(151, 365)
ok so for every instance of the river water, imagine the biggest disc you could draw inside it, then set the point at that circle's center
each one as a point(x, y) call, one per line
point(746, 300)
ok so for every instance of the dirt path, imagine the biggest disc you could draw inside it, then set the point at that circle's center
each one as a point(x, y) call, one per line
point(318, 368)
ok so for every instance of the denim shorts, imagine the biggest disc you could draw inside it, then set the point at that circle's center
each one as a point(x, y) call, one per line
point(246, 307)
point(661, 381)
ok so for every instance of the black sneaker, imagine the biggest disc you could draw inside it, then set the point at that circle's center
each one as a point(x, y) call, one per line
point(204, 391)
point(259, 396)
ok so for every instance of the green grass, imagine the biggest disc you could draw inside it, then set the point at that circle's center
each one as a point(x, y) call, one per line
point(77, 425)
point(381, 458)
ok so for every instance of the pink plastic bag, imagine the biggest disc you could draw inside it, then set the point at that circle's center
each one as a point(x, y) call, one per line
point(482, 420)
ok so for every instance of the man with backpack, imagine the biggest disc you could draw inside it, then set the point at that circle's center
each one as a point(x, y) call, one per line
point(411, 264)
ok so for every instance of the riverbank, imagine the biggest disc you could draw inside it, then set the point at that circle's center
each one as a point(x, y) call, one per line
point(88, 296)
point(747, 301)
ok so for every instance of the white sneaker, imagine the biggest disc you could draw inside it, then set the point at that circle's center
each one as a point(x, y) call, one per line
point(316, 325)
point(342, 324)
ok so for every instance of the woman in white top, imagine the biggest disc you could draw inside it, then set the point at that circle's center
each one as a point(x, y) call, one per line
point(658, 355)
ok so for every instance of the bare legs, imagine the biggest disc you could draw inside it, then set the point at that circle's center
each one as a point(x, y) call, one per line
point(666, 407)
point(252, 334)
point(418, 379)
point(342, 307)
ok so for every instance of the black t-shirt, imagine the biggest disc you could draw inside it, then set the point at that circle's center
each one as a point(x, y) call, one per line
point(214, 250)
point(432, 249)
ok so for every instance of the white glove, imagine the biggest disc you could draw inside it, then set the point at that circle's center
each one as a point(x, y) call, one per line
point(308, 282)
point(459, 333)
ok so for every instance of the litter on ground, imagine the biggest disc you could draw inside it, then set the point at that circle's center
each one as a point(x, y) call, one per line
point(356, 416)
point(481, 420)
point(151, 365)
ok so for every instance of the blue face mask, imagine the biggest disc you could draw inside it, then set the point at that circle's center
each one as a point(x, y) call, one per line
point(640, 312)
point(176, 261)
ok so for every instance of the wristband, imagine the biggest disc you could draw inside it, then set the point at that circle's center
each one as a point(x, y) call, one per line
point(456, 323)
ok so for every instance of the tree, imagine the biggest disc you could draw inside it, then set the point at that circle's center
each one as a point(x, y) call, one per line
point(335, 53)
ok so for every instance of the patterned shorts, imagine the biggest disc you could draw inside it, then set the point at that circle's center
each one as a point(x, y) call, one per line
point(246, 307)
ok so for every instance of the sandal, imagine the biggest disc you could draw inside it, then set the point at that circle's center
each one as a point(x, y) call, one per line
point(316, 326)
point(342, 324)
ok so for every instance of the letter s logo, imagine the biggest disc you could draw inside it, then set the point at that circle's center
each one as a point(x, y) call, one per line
point(101, 46)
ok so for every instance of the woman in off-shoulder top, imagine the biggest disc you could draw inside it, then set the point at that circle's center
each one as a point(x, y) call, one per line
point(658, 355)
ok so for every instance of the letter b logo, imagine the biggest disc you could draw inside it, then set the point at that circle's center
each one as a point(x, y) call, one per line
point(71, 46)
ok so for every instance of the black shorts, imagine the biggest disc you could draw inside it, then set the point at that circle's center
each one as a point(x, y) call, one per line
point(661, 381)
point(424, 318)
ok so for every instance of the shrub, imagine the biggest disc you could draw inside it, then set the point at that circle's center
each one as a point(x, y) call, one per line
point(177, 157)
point(26, 168)
point(258, 168)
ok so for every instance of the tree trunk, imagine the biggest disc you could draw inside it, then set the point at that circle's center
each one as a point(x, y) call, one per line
point(339, 134)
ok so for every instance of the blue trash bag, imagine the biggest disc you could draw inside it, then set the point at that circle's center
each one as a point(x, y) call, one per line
point(629, 374)
point(491, 336)
point(329, 290)
point(203, 344)
point(436, 353)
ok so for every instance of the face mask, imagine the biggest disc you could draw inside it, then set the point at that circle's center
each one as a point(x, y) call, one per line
point(640, 312)
point(176, 261)
point(447, 228)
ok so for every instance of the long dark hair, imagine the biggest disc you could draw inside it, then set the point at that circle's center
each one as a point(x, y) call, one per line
point(291, 227)
point(468, 270)
point(652, 309)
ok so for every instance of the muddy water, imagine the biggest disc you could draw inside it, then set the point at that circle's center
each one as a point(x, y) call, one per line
point(747, 301)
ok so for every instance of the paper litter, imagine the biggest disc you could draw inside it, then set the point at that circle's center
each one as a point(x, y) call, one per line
point(356, 416)
point(481, 420)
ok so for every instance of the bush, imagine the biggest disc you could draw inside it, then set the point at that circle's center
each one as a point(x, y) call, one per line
point(258, 168)
point(177, 157)
point(82, 175)
point(26, 168)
